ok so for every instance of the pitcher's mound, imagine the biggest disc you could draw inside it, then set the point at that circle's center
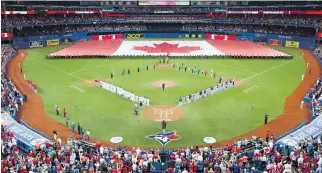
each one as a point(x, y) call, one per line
point(163, 112)
point(168, 83)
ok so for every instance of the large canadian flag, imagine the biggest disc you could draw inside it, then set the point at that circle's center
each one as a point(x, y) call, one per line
point(107, 37)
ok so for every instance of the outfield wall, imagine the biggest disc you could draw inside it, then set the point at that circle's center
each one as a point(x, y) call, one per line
point(57, 39)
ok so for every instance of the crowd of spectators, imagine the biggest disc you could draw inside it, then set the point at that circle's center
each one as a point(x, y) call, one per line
point(261, 5)
point(242, 156)
point(318, 51)
point(263, 29)
point(76, 28)
point(124, 27)
point(165, 18)
point(45, 30)
point(89, 18)
point(315, 93)
point(9, 93)
point(277, 19)
point(306, 32)
point(49, 19)
point(169, 8)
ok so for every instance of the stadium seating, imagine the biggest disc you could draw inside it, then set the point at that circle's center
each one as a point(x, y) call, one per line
point(318, 51)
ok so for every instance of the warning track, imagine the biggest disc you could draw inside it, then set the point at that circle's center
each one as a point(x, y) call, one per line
point(33, 111)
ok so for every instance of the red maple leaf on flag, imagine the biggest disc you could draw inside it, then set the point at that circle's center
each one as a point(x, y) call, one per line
point(167, 48)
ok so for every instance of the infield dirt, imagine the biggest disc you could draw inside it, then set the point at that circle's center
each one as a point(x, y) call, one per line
point(33, 111)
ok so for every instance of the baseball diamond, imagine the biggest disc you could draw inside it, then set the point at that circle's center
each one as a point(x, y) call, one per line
point(144, 86)
point(98, 107)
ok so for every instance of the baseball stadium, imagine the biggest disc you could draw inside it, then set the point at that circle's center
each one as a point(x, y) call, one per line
point(161, 86)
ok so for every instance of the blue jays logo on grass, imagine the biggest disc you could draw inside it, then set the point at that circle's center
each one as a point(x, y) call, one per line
point(164, 138)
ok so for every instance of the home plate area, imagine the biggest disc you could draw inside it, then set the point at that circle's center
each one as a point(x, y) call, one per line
point(163, 112)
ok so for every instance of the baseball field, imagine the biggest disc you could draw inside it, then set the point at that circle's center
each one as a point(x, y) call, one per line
point(261, 87)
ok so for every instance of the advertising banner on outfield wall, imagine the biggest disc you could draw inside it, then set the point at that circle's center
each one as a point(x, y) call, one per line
point(193, 35)
point(53, 42)
point(136, 35)
point(37, 43)
point(275, 42)
point(107, 37)
point(294, 44)
point(220, 37)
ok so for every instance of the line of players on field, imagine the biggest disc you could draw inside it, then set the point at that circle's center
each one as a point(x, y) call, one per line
point(125, 94)
point(206, 92)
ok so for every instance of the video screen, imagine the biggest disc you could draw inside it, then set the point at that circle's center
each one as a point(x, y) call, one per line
point(164, 3)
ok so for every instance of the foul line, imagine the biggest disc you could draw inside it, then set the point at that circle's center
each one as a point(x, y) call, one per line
point(90, 68)
point(72, 86)
point(62, 70)
point(237, 68)
point(245, 91)
point(272, 68)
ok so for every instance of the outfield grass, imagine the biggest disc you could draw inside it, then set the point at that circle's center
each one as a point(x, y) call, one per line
point(223, 116)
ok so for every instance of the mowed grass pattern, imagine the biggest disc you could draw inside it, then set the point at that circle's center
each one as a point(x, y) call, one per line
point(225, 115)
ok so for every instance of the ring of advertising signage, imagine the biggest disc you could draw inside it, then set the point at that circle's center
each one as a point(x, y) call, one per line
point(134, 35)
point(35, 43)
point(52, 42)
